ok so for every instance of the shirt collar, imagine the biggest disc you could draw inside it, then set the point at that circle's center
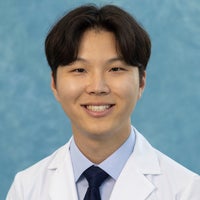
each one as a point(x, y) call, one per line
point(113, 165)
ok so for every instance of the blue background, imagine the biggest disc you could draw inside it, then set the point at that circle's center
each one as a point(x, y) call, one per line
point(32, 124)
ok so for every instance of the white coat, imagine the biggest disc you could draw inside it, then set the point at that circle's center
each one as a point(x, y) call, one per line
point(147, 175)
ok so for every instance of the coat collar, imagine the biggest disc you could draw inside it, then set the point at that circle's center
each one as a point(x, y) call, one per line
point(133, 181)
point(62, 183)
point(144, 156)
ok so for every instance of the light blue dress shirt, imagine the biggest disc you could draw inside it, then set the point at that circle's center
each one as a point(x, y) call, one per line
point(113, 165)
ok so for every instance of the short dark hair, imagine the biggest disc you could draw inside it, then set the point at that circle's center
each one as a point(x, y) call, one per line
point(62, 42)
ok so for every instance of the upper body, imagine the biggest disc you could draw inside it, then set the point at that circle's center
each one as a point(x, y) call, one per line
point(147, 175)
point(98, 58)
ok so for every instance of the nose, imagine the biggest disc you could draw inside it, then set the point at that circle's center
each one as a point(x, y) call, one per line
point(97, 85)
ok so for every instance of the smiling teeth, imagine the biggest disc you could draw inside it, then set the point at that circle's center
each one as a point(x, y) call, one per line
point(98, 108)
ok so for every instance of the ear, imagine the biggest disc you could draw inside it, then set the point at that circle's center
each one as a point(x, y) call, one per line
point(142, 84)
point(54, 87)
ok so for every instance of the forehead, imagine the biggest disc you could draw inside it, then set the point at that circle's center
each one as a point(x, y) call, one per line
point(95, 40)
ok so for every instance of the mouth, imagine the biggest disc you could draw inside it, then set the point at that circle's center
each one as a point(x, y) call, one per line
point(100, 110)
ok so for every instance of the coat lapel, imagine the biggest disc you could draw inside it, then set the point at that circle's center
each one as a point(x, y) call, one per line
point(62, 184)
point(134, 181)
point(132, 185)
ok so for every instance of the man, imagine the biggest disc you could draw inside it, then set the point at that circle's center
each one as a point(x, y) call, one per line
point(98, 58)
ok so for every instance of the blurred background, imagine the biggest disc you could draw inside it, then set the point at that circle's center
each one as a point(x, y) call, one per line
point(32, 124)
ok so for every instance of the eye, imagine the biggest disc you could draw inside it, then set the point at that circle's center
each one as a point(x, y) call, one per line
point(117, 69)
point(79, 70)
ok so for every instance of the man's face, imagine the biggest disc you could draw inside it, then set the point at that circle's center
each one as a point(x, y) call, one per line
point(99, 91)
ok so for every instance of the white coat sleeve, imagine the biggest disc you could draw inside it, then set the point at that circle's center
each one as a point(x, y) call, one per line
point(15, 192)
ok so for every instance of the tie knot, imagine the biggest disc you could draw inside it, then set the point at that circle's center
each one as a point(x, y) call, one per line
point(95, 176)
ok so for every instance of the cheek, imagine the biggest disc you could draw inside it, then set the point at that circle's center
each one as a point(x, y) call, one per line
point(128, 89)
point(69, 90)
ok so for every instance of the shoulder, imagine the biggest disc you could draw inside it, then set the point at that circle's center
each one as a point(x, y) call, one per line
point(48, 162)
point(173, 169)
point(169, 175)
point(180, 180)
point(38, 175)
point(166, 164)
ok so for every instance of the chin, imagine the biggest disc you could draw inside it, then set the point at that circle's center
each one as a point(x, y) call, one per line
point(100, 131)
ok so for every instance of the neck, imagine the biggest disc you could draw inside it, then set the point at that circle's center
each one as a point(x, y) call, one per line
point(97, 149)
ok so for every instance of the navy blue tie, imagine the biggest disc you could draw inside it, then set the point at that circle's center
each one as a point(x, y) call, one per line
point(95, 177)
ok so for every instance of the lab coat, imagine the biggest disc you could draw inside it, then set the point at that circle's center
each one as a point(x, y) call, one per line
point(147, 175)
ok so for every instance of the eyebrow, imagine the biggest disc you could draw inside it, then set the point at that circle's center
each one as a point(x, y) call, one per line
point(111, 60)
